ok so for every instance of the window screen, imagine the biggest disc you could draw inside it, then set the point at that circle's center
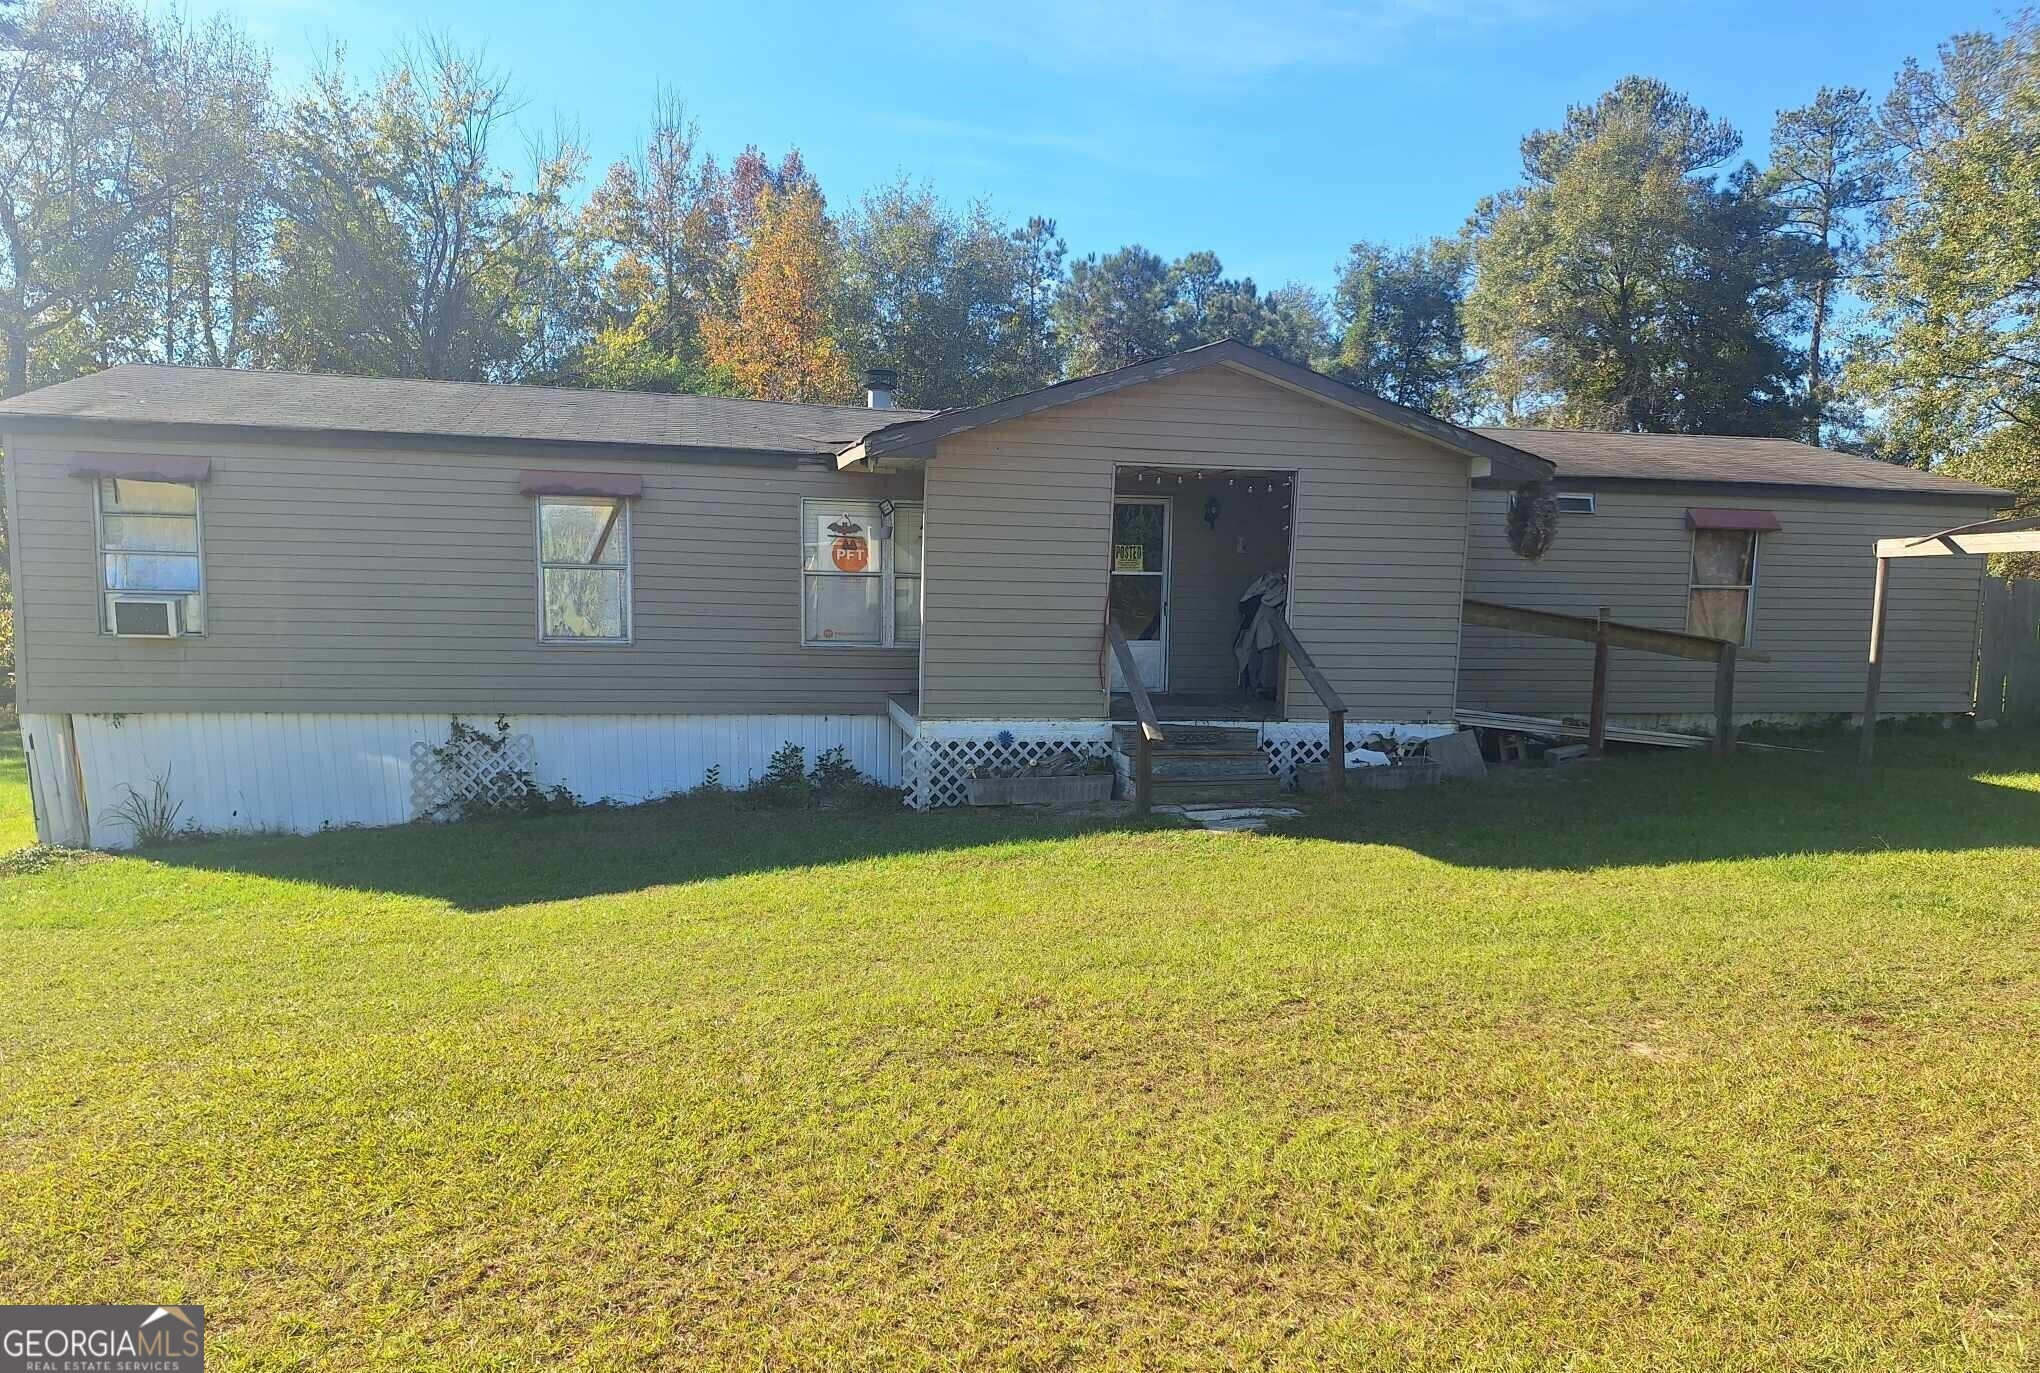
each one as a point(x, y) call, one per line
point(1722, 595)
point(584, 569)
point(860, 574)
point(149, 546)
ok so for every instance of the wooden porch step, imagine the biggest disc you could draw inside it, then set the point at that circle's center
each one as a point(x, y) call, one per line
point(1202, 738)
point(1176, 791)
point(1199, 762)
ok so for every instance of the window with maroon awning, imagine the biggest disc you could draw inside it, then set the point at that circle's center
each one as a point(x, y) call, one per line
point(1722, 591)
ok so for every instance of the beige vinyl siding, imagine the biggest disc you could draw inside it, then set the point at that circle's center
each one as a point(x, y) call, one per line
point(1812, 611)
point(380, 579)
point(1019, 519)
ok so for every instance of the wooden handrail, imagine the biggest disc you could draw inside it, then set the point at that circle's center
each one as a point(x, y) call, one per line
point(1143, 708)
point(1604, 633)
point(1328, 695)
point(1588, 629)
point(1309, 670)
point(1150, 723)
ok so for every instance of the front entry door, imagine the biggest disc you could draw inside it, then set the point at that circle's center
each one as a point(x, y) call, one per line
point(1139, 601)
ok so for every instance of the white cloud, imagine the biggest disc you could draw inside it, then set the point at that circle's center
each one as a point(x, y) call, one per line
point(1219, 39)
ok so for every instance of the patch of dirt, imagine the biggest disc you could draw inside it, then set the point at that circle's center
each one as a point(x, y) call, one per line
point(43, 857)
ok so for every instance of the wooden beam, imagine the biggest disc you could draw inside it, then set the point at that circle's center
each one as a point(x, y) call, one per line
point(1143, 707)
point(1597, 709)
point(1335, 765)
point(608, 528)
point(1961, 545)
point(1879, 602)
point(1143, 773)
point(1150, 727)
point(1639, 638)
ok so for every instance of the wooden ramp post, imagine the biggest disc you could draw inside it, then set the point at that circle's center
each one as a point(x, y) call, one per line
point(1597, 709)
point(1874, 678)
point(1724, 699)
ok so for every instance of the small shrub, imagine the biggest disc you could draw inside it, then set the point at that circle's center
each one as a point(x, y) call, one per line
point(711, 782)
point(834, 772)
point(152, 818)
point(785, 782)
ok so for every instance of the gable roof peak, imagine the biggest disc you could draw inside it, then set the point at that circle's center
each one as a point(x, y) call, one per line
point(1502, 459)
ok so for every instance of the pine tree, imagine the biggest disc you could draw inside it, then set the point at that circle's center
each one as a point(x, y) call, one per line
point(1828, 165)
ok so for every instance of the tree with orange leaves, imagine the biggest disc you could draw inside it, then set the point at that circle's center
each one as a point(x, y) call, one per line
point(780, 341)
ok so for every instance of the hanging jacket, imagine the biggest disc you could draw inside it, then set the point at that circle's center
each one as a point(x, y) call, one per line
point(1254, 643)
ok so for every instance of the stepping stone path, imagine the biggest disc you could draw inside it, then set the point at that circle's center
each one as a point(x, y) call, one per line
point(1232, 819)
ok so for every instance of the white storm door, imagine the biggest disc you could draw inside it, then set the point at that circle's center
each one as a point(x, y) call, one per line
point(1139, 600)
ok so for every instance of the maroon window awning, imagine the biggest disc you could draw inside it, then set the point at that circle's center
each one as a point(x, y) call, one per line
point(1723, 517)
point(619, 485)
point(141, 467)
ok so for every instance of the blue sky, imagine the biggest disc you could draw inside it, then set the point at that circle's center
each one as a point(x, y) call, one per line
point(1274, 133)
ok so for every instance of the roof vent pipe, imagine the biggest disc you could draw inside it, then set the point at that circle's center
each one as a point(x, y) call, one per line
point(879, 384)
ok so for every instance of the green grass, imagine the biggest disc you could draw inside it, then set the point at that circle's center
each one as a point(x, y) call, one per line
point(17, 820)
point(1669, 1065)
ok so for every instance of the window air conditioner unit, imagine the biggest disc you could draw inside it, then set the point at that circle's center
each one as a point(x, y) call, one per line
point(146, 617)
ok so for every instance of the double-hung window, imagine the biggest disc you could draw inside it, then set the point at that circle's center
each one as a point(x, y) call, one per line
point(860, 574)
point(584, 578)
point(149, 550)
point(1721, 596)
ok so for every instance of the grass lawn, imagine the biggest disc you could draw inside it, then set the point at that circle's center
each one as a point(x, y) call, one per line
point(17, 821)
point(1668, 1065)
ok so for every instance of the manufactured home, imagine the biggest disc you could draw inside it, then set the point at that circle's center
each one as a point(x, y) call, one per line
point(273, 592)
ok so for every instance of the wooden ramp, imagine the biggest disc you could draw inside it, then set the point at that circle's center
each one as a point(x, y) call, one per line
point(1568, 729)
point(1565, 729)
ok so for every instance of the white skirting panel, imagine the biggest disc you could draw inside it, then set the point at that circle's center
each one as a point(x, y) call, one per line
point(298, 773)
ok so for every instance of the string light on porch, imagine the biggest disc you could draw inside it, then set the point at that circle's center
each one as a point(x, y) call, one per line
point(1253, 485)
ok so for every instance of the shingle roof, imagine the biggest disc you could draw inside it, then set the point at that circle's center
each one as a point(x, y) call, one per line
point(147, 394)
point(1703, 458)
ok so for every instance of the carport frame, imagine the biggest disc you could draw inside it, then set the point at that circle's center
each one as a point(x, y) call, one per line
point(2007, 534)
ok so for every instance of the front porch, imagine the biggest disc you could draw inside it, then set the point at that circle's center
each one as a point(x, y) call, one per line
point(1195, 642)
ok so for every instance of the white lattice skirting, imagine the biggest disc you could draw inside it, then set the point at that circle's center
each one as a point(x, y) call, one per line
point(488, 776)
point(939, 758)
point(1290, 746)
